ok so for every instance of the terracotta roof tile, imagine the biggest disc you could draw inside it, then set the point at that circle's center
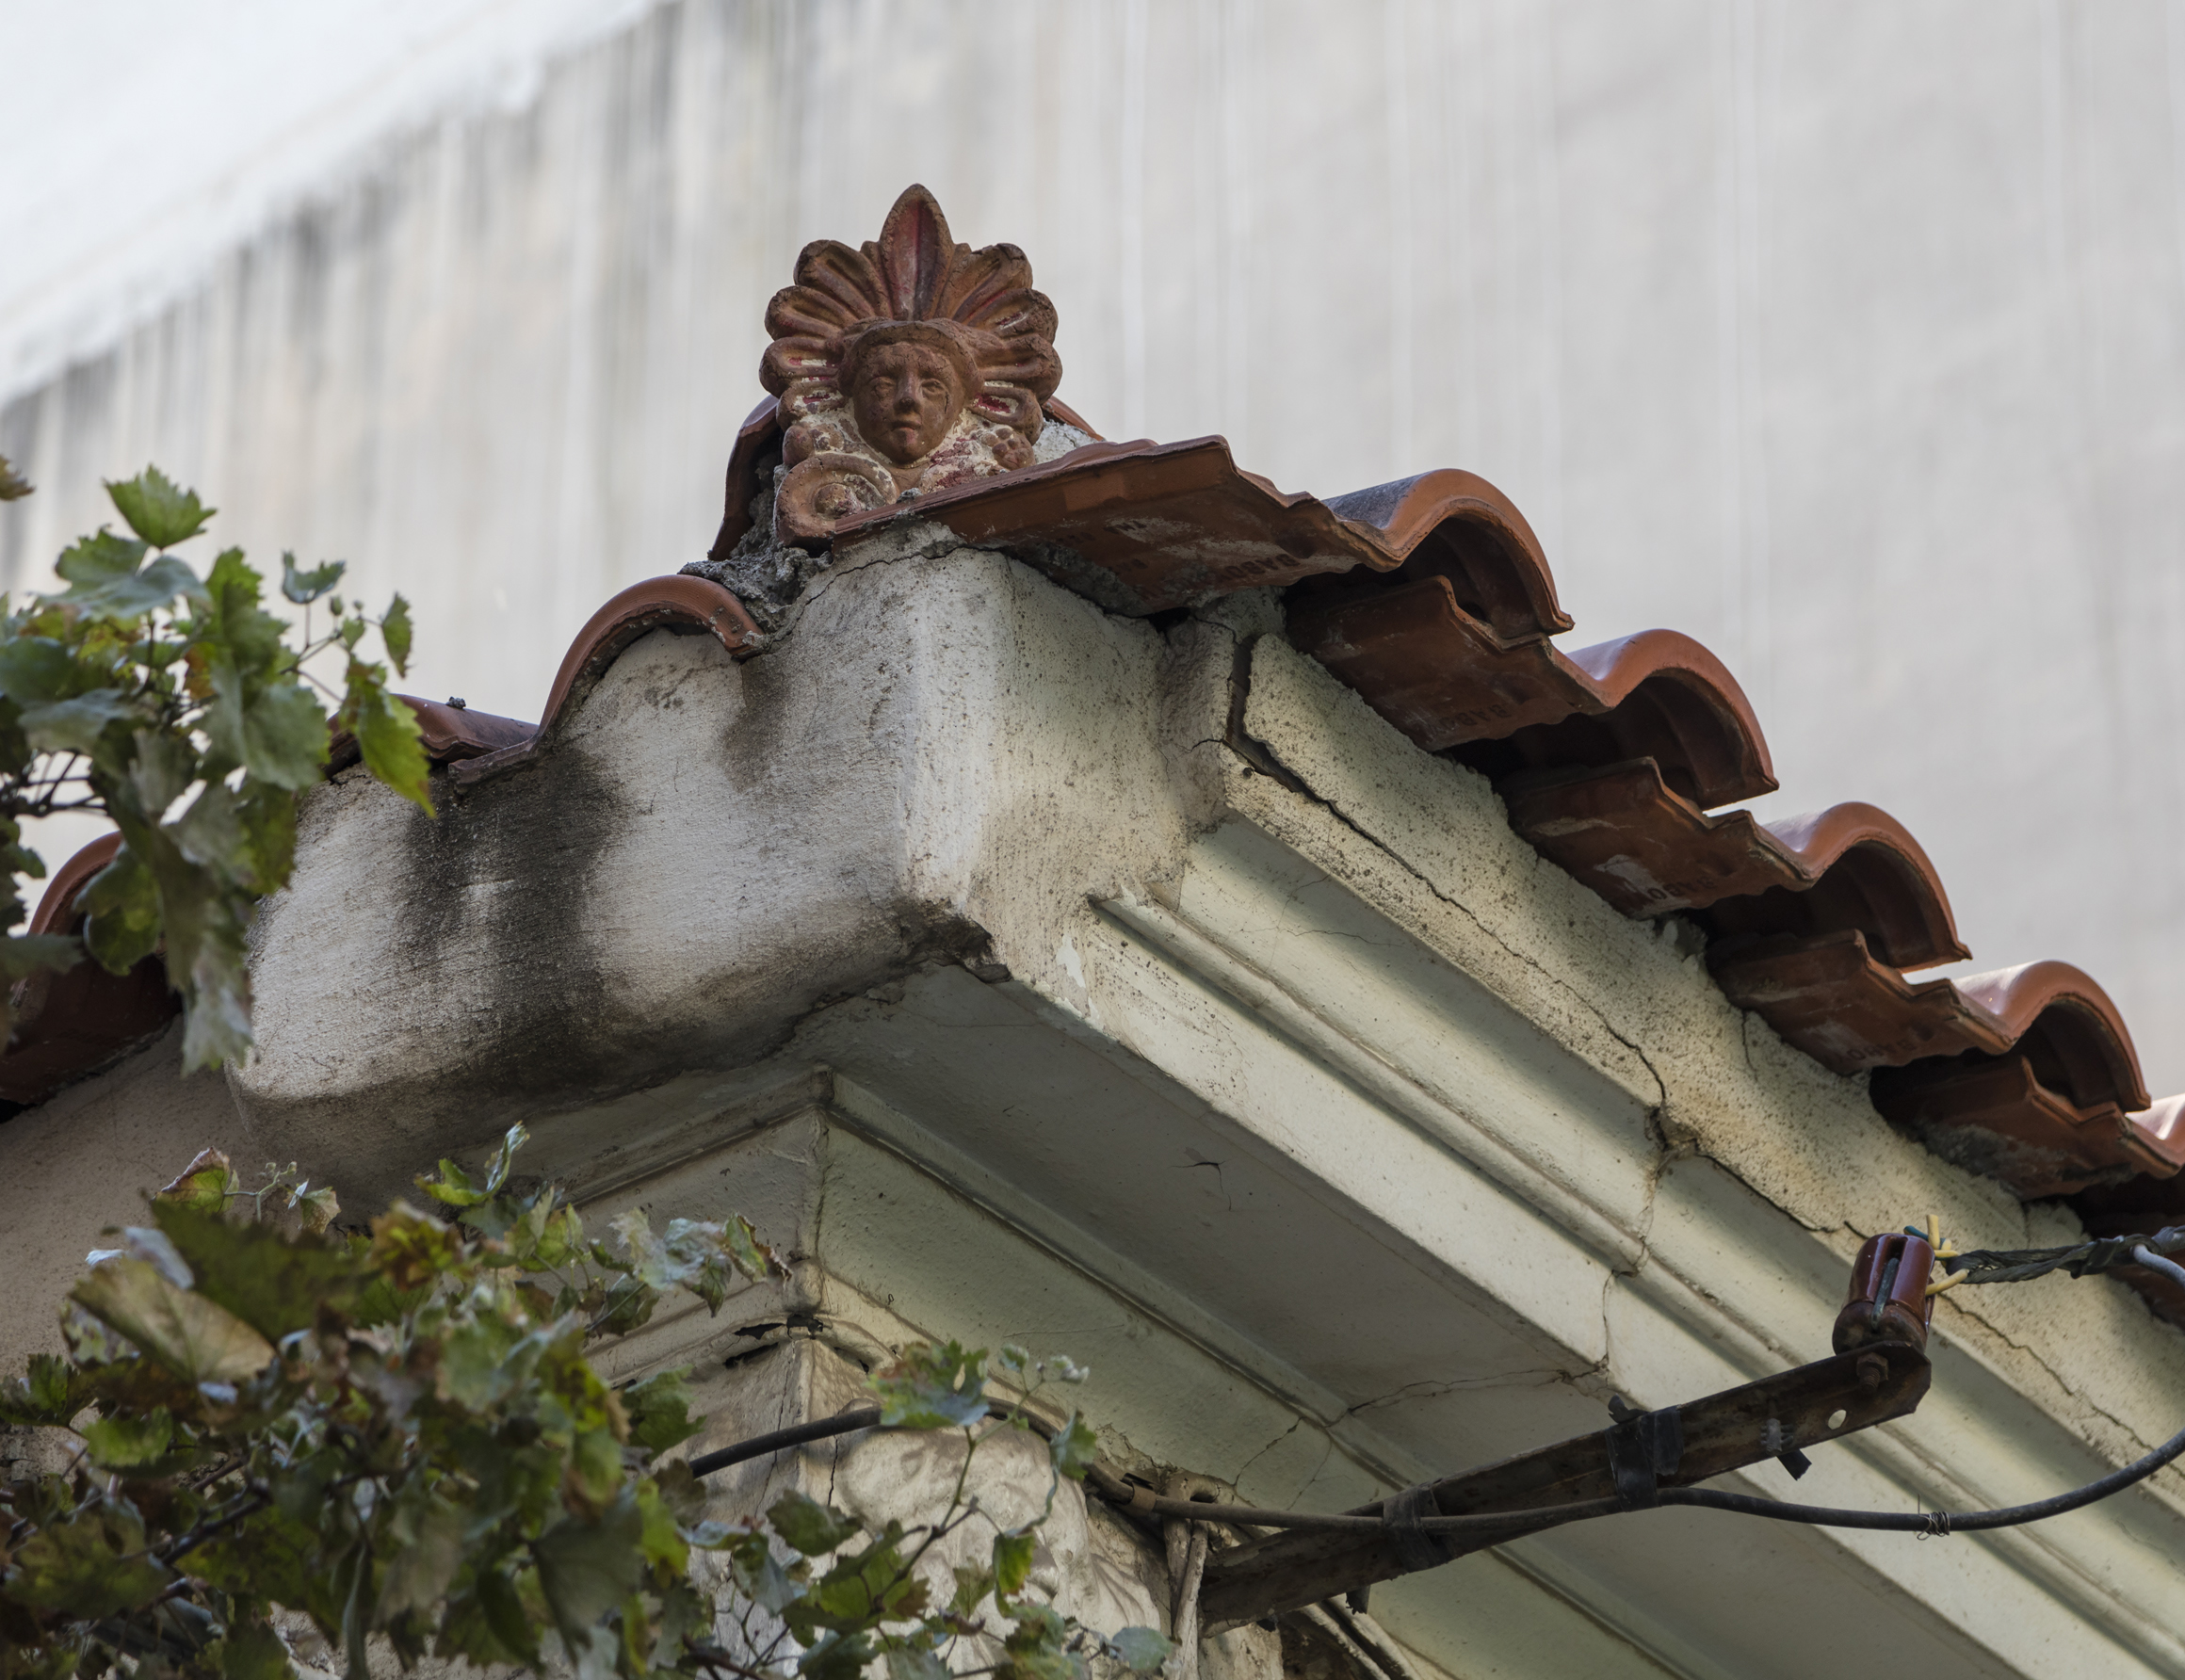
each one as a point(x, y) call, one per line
point(1611, 758)
point(1648, 849)
point(72, 1023)
point(1431, 597)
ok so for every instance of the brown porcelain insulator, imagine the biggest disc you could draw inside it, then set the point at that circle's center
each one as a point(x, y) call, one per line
point(1888, 1296)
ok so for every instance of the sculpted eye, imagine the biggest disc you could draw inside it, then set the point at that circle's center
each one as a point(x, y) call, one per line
point(935, 388)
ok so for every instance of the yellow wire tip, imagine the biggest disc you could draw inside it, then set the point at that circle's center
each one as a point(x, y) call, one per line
point(1948, 1283)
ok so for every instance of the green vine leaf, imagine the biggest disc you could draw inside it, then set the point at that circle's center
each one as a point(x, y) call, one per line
point(194, 1339)
point(931, 1387)
point(303, 586)
point(158, 509)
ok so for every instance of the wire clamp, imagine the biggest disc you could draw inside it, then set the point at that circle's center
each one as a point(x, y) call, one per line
point(1416, 1549)
point(1643, 1447)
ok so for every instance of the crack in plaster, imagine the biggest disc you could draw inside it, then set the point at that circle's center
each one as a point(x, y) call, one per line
point(1250, 748)
point(1296, 1423)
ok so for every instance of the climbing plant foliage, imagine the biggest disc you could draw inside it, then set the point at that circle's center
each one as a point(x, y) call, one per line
point(170, 701)
point(394, 1433)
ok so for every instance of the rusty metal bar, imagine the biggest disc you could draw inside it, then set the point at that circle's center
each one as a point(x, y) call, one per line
point(1620, 1467)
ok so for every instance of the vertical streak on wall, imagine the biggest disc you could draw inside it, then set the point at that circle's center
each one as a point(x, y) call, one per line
point(1449, 51)
point(1403, 215)
point(2089, 495)
point(1130, 234)
point(2170, 579)
point(1738, 339)
point(1237, 71)
point(1537, 63)
point(1205, 201)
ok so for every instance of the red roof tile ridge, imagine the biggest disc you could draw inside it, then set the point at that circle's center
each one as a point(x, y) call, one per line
point(448, 734)
point(57, 905)
point(1144, 528)
point(71, 1023)
point(2066, 1004)
point(1405, 514)
point(1849, 834)
point(1648, 851)
point(1701, 704)
point(2161, 1128)
point(678, 602)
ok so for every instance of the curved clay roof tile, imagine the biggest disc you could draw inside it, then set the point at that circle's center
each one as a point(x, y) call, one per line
point(1658, 695)
point(1649, 851)
point(691, 605)
point(71, 1023)
point(2072, 1034)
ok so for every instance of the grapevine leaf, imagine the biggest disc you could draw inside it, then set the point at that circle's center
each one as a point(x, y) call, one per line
point(124, 1441)
point(35, 668)
point(972, 1586)
point(274, 1283)
point(284, 736)
point(811, 1528)
point(158, 509)
point(123, 906)
point(932, 1388)
point(105, 580)
point(386, 732)
point(303, 586)
point(44, 1395)
point(585, 1569)
point(91, 1565)
point(1013, 1563)
point(203, 1186)
point(660, 1409)
point(75, 725)
point(254, 1651)
point(1074, 1447)
point(395, 631)
point(1142, 1650)
point(916, 1662)
point(192, 1337)
point(428, 1550)
point(23, 955)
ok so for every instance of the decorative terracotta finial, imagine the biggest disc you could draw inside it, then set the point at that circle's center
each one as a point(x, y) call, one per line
point(905, 365)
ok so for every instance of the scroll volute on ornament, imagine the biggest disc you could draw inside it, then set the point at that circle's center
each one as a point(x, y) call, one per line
point(1888, 1294)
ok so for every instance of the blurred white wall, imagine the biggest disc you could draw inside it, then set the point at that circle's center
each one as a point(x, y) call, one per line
point(1847, 336)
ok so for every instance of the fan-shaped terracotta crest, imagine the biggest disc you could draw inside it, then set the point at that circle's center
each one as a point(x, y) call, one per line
point(907, 364)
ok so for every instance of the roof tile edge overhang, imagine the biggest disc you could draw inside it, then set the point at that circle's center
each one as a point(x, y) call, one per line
point(1431, 598)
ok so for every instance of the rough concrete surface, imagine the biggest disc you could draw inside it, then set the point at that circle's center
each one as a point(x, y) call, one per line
point(1033, 975)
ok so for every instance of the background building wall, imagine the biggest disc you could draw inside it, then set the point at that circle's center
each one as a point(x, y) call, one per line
point(1847, 336)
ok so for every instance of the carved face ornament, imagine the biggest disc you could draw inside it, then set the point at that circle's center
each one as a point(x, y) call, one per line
point(904, 397)
point(903, 366)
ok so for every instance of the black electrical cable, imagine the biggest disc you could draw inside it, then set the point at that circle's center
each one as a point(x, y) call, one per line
point(842, 1423)
point(1142, 1501)
point(1939, 1522)
point(2083, 1259)
point(1550, 1516)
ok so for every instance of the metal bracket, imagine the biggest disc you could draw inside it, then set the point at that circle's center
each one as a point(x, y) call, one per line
point(1642, 1447)
point(1414, 1547)
point(1630, 1462)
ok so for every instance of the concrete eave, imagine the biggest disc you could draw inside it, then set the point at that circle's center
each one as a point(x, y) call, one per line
point(1197, 1025)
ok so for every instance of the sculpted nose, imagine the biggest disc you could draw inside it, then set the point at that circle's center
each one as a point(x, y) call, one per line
point(906, 395)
